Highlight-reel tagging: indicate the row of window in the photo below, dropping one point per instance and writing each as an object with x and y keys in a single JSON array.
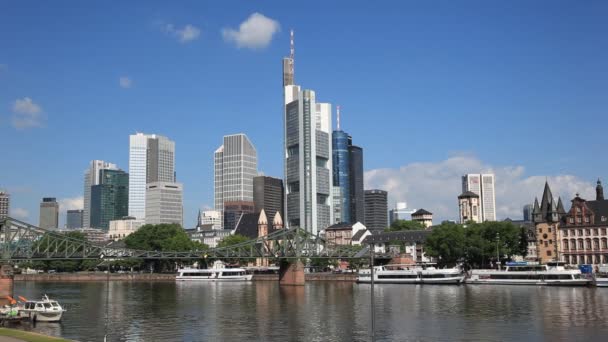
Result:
[
  {"x": 586, "y": 259},
  {"x": 585, "y": 244},
  {"x": 587, "y": 232}
]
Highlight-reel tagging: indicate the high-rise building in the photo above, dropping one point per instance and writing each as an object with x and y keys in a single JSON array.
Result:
[
  {"x": 74, "y": 219},
  {"x": 376, "y": 209},
  {"x": 483, "y": 186},
  {"x": 268, "y": 195},
  {"x": 209, "y": 219},
  {"x": 5, "y": 204},
  {"x": 234, "y": 210},
  {"x": 164, "y": 203},
  {"x": 341, "y": 173},
  {"x": 49, "y": 213},
  {"x": 91, "y": 178},
  {"x": 109, "y": 198},
  {"x": 528, "y": 208},
  {"x": 357, "y": 195},
  {"x": 235, "y": 166},
  {"x": 400, "y": 212},
  {"x": 151, "y": 159}
]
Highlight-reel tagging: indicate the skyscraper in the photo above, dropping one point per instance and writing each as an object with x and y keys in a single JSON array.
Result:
[
  {"x": 400, "y": 212},
  {"x": 483, "y": 186},
  {"x": 235, "y": 165},
  {"x": 5, "y": 204},
  {"x": 109, "y": 198},
  {"x": 528, "y": 208},
  {"x": 268, "y": 195},
  {"x": 164, "y": 203},
  {"x": 151, "y": 159},
  {"x": 376, "y": 209},
  {"x": 74, "y": 219},
  {"x": 91, "y": 178},
  {"x": 308, "y": 159},
  {"x": 357, "y": 195},
  {"x": 49, "y": 213},
  {"x": 341, "y": 173}
]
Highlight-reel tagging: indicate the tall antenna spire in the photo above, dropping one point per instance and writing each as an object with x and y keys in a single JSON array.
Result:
[
  {"x": 338, "y": 117},
  {"x": 292, "y": 50}
]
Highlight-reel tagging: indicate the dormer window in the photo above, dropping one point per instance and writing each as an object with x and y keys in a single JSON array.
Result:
[
  {"x": 571, "y": 220},
  {"x": 586, "y": 219},
  {"x": 579, "y": 220},
  {"x": 604, "y": 218},
  {"x": 578, "y": 210}
]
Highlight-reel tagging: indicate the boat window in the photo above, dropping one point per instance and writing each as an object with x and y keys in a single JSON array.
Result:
[
  {"x": 47, "y": 305},
  {"x": 39, "y": 306},
  {"x": 397, "y": 276},
  {"x": 54, "y": 304}
]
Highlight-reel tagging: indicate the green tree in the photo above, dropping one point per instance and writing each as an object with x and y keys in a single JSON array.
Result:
[
  {"x": 230, "y": 241},
  {"x": 399, "y": 225},
  {"x": 447, "y": 243}
]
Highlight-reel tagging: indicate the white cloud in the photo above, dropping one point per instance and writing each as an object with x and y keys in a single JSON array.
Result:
[
  {"x": 184, "y": 35},
  {"x": 255, "y": 32},
  {"x": 436, "y": 186},
  {"x": 125, "y": 82},
  {"x": 27, "y": 114},
  {"x": 20, "y": 213},
  {"x": 72, "y": 203}
]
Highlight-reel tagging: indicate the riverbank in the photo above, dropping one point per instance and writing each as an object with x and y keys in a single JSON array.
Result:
[
  {"x": 160, "y": 277},
  {"x": 14, "y": 335}
]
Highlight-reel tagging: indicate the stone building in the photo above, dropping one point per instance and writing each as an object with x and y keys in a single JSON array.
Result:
[
  {"x": 423, "y": 216},
  {"x": 469, "y": 207},
  {"x": 346, "y": 234},
  {"x": 547, "y": 218}
]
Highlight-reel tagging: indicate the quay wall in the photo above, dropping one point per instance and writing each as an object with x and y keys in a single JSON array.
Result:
[{"x": 159, "y": 277}]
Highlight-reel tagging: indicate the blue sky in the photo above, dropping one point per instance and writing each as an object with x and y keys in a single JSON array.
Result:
[{"x": 518, "y": 88}]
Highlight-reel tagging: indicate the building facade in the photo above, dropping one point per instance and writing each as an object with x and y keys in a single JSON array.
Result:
[
  {"x": 547, "y": 218},
  {"x": 234, "y": 210},
  {"x": 424, "y": 217},
  {"x": 376, "y": 209},
  {"x": 209, "y": 218},
  {"x": 91, "y": 178},
  {"x": 469, "y": 207},
  {"x": 268, "y": 195},
  {"x": 74, "y": 219},
  {"x": 164, "y": 203},
  {"x": 235, "y": 166},
  {"x": 527, "y": 211},
  {"x": 120, "y": 229},
  {"x": 49, "y": 213},
  {"x": 109, "y": 198},
  {"x": 483, "y": 186},
  {"x": 583, "y": 233},
  {"x": 5, "y": 204},
  {"x": 341, "y": 175},
  {"x": 151, "y": 159},
  {"x": 400, "y": 212},
  {"x": 357, "y": 193}
]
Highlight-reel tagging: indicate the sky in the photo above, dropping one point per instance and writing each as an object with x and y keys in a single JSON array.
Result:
[{"x": 431, "y": 90}]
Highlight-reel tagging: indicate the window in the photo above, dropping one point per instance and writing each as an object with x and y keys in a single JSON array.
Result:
[
  {"x": 586, "y": 219},
  {"x": 588, "y": 232},
  {"x": 571, "y": 220},
  {"x": 565, "y": 232},
  {"x": 596, "y": 244},
  {"x": 580, "y": 232},
  {"x": 604, "y": 218},
  {"x": 580, "y": 244},
  {"x": 595, "y": 231},
  {"x": 549, "y": 229},
  {"x": 588, "y": 244},
  {"x": 540, "y": 230},
  {"x": 566, "y": 245},
  {"x": 578, "y": 220},
  {"x": 573, "y": 244},
  {"x": 603, "y": 231},
  {"x": 548, "y": 253},
  {"x": 604, "y": 244},
  {"x": 578, "y": 210}
]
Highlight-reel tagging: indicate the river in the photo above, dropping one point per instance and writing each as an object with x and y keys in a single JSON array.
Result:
[{"x": 321, "y": 311}]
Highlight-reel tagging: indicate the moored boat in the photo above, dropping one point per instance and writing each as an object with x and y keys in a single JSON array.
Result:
[
  {"x": 522, "y": 273},
  {"x": 412, "y": 274},
  {"x": 44, "y": 310},
  {"x": 219, "y": 272},
  {"x": 601, "y": 277}
]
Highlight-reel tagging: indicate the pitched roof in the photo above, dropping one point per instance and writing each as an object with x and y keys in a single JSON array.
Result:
[
  {"x": 599, "y": 208},
  {"x": 468, "y": 194},
  {"x": 402, "y": 235},
  {"x": 340, "y": 226},
  {"x": 248, "y": 225},
  {"x": 422, "y": 212},
  {"x": 358, "y": 235}
]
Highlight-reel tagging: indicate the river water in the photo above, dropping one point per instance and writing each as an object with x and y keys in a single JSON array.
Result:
[{"x": 321, "y": 311}]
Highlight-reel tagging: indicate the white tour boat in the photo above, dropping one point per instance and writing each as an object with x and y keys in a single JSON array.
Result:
[
  {"x": 601, "y": 277},
  {"x": 412, "y": 274},
  {"x": 219, "y": 272},
  {"x": 521, "y": 273},
  {"x": 44, "y": 310}
]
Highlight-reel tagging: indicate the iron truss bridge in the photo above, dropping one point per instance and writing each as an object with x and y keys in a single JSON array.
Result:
[{"x": 21, "y": 241}]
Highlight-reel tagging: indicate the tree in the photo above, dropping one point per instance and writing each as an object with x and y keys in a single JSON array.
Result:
[
  {"x": 399, "y": 225},
  {"x": 447, "y": 243},
  {"x": 232, "y": 240},
  {"x": 163, "y": 238}
]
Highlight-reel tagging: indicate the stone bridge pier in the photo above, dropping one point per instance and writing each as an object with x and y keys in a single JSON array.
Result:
[
  {"x": 291, "y": 273},
  {"x": 6, "y": 283}
]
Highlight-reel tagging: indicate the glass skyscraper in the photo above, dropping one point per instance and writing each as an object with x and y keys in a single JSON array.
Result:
[
  {"x": 110, "y": 198},
  {"x": 91, "y": 178},
  {"x": 341, "y": 174}
]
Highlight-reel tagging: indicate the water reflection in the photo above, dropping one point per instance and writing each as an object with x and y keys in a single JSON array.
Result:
[{"x": 320, "y": 312}]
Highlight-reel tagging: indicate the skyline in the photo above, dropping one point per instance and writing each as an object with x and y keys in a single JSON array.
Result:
[{"x": 507, "y": 65}]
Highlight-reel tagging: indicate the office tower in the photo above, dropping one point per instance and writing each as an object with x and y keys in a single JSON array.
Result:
[
  {"x": 528, "y": 208},
  {"x": 400, "y": 212},
  {"x": 268, "y": 195},
  {"x": 209, "y": 219},
  {"x": 235, "y": 166},
  {"x": 151, "y": 159},
  {"x": 483, "y": 186},
  {"x": 74, "y": 219},
  {"x": 234, "y": 210},
  {"x": 109, "y": 198},
  {"x": 91, "y": 178},
  {"x": 341, "y": 173},
  {"x": 164, "y": 203},
  {"x": 357, "y": 195},
  {"x": 49, "y": 213},
  {"x": 5, "y": 204},
  {"x": 376, "y": 209}
]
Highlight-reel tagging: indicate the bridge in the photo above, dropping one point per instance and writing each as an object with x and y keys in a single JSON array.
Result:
[{"x": 20, "y": 241}]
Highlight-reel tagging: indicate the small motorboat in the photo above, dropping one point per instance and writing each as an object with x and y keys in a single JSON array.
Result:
[{"x": 44, "y": 310}]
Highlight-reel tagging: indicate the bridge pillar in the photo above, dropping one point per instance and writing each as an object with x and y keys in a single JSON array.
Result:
[
  {"x": 6, "y": 283},
  {"x": 291, "y": 273}
]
